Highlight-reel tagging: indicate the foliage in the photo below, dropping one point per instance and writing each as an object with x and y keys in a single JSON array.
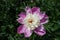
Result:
[{"x": 9, "y": 10}]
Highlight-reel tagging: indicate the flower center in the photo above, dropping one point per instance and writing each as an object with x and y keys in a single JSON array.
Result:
[{"x": 32, "y": 21}]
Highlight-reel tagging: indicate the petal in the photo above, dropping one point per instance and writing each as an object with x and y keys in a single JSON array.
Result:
[
  {"x": 28, "y": 10},
  {"x": 41, "y": 16},
  {"x": 22, "y": 14},
  {"x": 21, "y": 29},
  {"x": 45, "y": 16},
  {"x": 40, "y": 31},
  {"x": 36, "y": 9},
  {"x": 44, "y": 20},
  {"x": 28, "y": 33},
  {"x": 20, "y": 20}
]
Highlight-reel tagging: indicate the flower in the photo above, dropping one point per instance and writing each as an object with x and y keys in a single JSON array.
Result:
[{"x": 32, "y": 20}]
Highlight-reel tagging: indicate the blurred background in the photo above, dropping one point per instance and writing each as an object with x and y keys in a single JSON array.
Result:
[{"x": 9, "y": 10}]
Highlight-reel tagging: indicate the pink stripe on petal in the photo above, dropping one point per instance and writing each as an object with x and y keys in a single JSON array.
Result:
[
  {"x": 21, "y": 29},
  {"x": 40, "y": 31},
  {"x": 28, "y": 33}
]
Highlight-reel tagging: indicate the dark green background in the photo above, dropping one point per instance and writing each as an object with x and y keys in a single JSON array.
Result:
[{"x": 9, "y": 10}]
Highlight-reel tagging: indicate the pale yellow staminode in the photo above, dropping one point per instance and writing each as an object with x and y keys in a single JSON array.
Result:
[{"x": 31, "y": 21}]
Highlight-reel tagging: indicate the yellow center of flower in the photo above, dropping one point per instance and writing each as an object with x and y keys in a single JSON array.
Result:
[{"x": 32, "y": 21}]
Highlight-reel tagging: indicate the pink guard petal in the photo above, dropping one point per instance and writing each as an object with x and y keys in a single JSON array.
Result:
[
  {"x": 42, "y": 15},
  {"x": 21, "y": 29},
  {"x": 40, "y": 31},
  {"x": 44, "y": 20},
  {"x": 20, "y": 20},
  {"x": 22, "y": 15},
  {"x": 28, "y": 33},
  {"x": 28, "y": 10},
  {"x": 36, "y": 9}
]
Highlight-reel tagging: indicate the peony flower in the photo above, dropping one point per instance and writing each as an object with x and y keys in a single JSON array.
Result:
[{"x": 32, "y": 20}]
